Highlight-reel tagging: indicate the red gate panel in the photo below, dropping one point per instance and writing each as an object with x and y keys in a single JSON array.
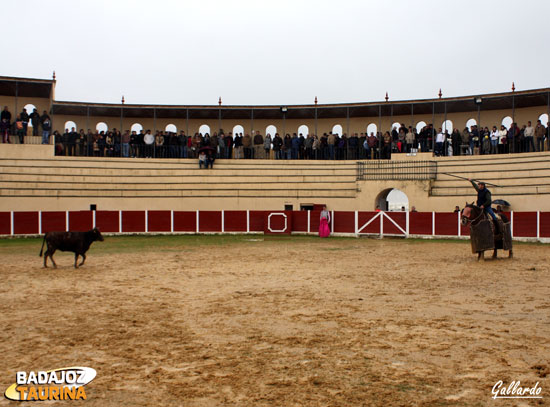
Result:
[
  {"x": 363, "y": 218},
  {"x": 25, "y": 223},
  {"x": 525, "y": 224},
  {"x": 185, "y": 221},
  {"x": 5, "y": 223},
  {"x": 544, "y": 224},
  {"x": 398, "y": 217},
  {"x": 158, "y": 221},
  {"x": 278, "y": 222},
  {"x": 210, "y": 221},
  {"x": 420, "y": 223},
  {"x": 53, "y": 221},
  {"x": 107, "y": 221},
  {"x": 299, "y": 221},
  {"x": 344, "y": 222},
  {"x": 81, "y": 221},
  {"x": 234, "y": 221},
  {"x": 446, "y": 224},
  {"x": 133, "y": 221},
  {"x": 257, "y": 220},
  {"x": 315, "y": 221}
]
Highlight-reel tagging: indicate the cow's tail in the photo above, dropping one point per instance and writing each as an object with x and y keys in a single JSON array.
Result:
[{"x": 42, "y": 248}]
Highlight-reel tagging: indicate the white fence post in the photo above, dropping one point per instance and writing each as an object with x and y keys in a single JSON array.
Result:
[
  {"x": 67, "y": 220},
  {"x": 308, "y": 222},
  {"x": 120, "y": 221},
  {"x": 433, "y": 223},
  {"x": 12, "y": 226},
  {"x": 197, "y": 222},
  {"x": 172, "y": 221},
  {"x": 512, "y": 224},
  {"x": 223, "y": 221},
  {"x": 458, "y": 218},
  {"x": 356, "y": 221},
  {"x": 39, "y": 222},
  {"x": 538, "y": 225},
  {"x": 146, "y": 221},
  {"x": 247, "y": 221},
  {"x": 332, "y": 222}
]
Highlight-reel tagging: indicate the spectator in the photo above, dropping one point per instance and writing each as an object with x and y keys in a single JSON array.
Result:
[
  {"x": 439, "y": 142},
  {"x": 229, "y": 143},
  {"x": 267, "y": 146},
  {"x": 202, "y": 160},
  {"x": 19, "y": 129},
  {"x": 25, "y": 119},
  {"x": 258, "y": 145},
  {"x": 316, "y": 147},
  {"x": 331, "y": 141},
  {"x": 277, "y": 146},
  {"x": 149, "y": 141},
  {"x": 528, "y": 134},
  {"x": 409, "y": 139},
  {"x": 247, "y": 146},
  {"x": 287, "y": 146},
  {"x": 502, "y": 139},
  {"x": 294, "y": 146},
  {"x": 46, "y": 129},
  {"x": 126, "y": 143},
  {"x": 494, "y": 140},
  {"x": 35, "y": 122},
  {"x": 221, "y": 145},
  {"x": 540, "y": 131},
  {"x": 6, "y": 115}
]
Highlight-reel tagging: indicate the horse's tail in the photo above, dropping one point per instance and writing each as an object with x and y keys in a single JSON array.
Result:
[{"x": 42, "y": 248}]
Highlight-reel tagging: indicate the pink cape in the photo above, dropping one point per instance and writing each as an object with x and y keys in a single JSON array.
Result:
[{"x": 324, "y": 230}]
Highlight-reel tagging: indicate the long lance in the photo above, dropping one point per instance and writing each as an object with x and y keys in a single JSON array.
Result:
[{"x": 466, "y": 179}]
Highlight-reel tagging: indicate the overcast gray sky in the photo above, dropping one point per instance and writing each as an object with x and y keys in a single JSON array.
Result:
[{"x": 276, "y": 52}]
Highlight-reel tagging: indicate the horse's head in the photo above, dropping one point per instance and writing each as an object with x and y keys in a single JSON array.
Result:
[{"x": 469, "y": 213}]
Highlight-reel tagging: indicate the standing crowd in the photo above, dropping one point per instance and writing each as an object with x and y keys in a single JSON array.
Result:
[{"x": 329, "y": 146}]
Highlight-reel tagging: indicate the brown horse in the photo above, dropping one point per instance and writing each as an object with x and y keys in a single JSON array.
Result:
[{"x": 485, "y": 234}]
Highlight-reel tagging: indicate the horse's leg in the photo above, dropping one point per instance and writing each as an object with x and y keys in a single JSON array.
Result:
[
  {"x": 495, "y": 253},
  {"x": 481, "y": 256},
  {"x": 510, "y": 254},
  {"x": 76, "y": 260},
  {"x": 83, "y": 259}
]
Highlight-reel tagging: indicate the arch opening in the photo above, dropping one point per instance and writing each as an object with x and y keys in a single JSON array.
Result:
[
  {"x": 137, "y": 127},
  {"x": 470, "y": 123},
  {"x": 171, "y": 128},
  {"x": 337, "y": 129},
  {"x": 372, "y": 128},
  {"x": 271, "y": 130},
  {"x": 420, "y": 125},
  {"x": 238, "y": 129},
  {"x": 204, "y": 129},
  {"x": 447, "y": 126},
  {"x": 392, "y": 199},
  {"x": 102, "y": 126},
  {"x": 544, "y": 119},
  {"x": 69, "y": 125},
  {"x": 304, "y": 130},
  {"x": 29, "y": 108},
  {"x": 507, "y": 122}
]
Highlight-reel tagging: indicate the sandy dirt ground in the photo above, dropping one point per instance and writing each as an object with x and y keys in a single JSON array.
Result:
[{"x": 287, "y": 322}]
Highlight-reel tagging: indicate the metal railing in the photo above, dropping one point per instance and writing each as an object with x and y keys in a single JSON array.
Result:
[{"x": 396, "y": 170}]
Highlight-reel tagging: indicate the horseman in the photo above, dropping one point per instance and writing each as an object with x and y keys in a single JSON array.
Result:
[{"x": 484, "y": 199}]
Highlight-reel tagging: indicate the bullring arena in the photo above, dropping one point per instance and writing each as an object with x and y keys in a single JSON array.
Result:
[{"x": 212, "y": 287}]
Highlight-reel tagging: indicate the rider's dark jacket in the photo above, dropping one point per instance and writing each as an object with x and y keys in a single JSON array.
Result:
[{"x": 483, "y": 196}]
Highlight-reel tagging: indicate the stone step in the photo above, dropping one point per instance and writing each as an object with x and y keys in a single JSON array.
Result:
[
  {"x": 157, "y": 186},
  {"x": 496, "y": 192},
  {"x": 122, "y": 193}
]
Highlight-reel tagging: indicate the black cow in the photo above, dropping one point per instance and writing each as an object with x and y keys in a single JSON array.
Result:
[{"x": 76, "y": 242}]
